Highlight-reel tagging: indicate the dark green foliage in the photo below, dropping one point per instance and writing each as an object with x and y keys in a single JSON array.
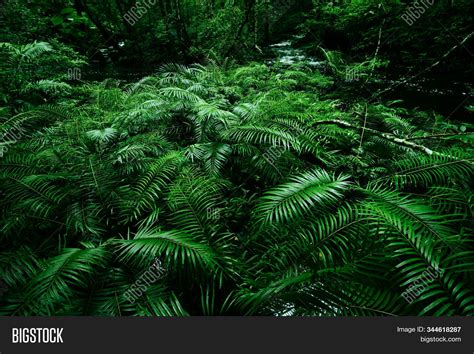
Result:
[
  {"x": 258, "y": 188},
  {"x": 261, "y": 206}
]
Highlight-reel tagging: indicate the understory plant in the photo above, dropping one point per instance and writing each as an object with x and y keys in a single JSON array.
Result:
[{"x": 259, "y": 193}]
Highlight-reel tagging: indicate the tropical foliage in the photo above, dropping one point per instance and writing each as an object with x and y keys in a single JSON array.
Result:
[{"x": 262, "y": 189}]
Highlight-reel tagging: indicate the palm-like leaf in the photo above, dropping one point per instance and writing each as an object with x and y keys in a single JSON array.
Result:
[
  {"x": 176, "y": 247},
  {"x": 304, "y": 192}
]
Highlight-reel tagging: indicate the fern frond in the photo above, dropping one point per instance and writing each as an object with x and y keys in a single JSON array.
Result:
[{"x": 296, "y": 198}]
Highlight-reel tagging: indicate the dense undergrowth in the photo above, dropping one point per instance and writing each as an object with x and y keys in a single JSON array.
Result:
[{"x": 258, "y": 190}]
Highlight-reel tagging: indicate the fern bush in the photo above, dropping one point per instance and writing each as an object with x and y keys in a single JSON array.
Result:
[{"x": 258, "y": 191}]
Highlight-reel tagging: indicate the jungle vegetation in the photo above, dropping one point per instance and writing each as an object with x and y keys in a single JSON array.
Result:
[{"x": 263, "y": 187}]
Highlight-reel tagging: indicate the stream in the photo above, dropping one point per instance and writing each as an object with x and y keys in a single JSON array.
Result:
[
  {"x": 286, "y": 54},
  {"x": 446, "y": 97}
]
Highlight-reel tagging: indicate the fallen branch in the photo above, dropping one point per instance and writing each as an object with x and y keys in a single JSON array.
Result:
[
  {"x": 437, "y": 136},
  {"x": 387, "y": 136}
]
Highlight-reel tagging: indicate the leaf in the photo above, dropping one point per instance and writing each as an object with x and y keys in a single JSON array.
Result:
[
  {"x": 57, "y": 20},
  {"x": 298, "y": 197}
]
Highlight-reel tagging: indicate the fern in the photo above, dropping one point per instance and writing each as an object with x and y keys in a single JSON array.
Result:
[
  {"x": 296, "y": 198},
  {"x": 261, "y": 190}
]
